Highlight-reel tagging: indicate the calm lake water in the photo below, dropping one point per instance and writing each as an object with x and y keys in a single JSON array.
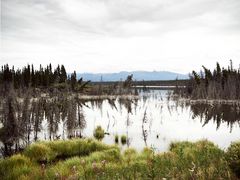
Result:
[{"x": 165, "y": 121}]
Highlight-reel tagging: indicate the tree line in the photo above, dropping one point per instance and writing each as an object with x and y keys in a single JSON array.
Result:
[
  {"x": 48, "y": 78},
  {"x": 28, "y": 76},
  {"x": 221, "y": 83}
]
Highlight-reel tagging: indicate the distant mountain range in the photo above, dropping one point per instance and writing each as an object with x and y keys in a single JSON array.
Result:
[{"x": 137, "y": 75}]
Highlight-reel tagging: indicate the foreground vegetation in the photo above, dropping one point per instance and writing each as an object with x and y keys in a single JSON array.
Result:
[{"x": 90, "y": 159}]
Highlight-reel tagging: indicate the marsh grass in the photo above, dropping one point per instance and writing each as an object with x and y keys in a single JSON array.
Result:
[
  {"x": 123, "y": 139},
  {"x": 18, "y": 166},
  {"x": 116, "y": 138},
  {"x": 89, "y": 159},
  {"x": 40, "y": 152},
  {"x": 233, "y": 157},
  {"x": 98, "y": 133},
  {"x": 47, "y": 151}
]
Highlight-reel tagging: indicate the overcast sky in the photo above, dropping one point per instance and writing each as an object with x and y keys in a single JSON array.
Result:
[{"x": 116, "y": 35}]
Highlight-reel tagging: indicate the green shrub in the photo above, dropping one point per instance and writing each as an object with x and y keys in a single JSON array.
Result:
[
  {"x": 123, "y": 139},
  {"x": 233, "y": 157},
  {"x": 98, "y": 133}
]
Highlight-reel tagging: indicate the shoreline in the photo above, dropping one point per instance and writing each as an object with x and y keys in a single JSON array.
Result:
[{"x": 209, "y": 101}]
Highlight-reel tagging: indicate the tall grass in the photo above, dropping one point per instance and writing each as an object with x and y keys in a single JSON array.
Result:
[
  {"x": 40, "y": 152},
  {"x": 98, "y": 133},
  {"x": 123, "y": 139},
  {"x": 89, "y": 159},
  {"x": 233, "y": 157},
  {"x": 116, "y": 138},
  {"x": 17, "y": 167},
  {"x": 60, "y": 149}
]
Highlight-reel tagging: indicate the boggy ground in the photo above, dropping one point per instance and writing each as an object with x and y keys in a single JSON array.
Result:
[{"x": 91, "y": 159}]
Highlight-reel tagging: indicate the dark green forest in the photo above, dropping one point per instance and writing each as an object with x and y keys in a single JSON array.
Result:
[
  {"x": 220, "y": 83},
  {"x": 28, "y": 76},
  {"x": 49, "y": 79}
]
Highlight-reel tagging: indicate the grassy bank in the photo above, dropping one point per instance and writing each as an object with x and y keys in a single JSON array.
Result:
[{"x": 90, "y": 159}]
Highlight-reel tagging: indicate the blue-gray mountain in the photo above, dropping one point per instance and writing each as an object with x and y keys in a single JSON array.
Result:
[{"x": 137, "y": 75}]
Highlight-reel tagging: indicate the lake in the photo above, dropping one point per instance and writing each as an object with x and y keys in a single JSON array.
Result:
[{"x": 155, "y": 120}]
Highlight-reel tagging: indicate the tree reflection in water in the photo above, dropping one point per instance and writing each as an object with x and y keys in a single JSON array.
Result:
[
  {"x": 218, "y": 113},
  {"x": 25, "y": 120}
]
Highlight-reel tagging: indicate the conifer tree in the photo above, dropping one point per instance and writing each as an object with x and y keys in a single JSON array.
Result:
[{"x": 63, "y": 75}]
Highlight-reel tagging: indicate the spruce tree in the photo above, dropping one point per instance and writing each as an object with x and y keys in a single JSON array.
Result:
[{"x": 63, "y": 75}]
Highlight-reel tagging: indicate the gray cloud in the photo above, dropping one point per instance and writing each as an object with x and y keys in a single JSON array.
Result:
[
  {"x": 39, "y": 26},
  {"x": 104, "y": 16}
]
